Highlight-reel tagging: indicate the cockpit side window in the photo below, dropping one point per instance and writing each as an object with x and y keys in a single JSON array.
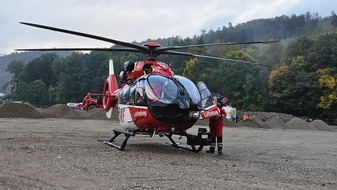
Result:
[
  {"x": 140, "y": 98},
  {"x": 124, "y": 95},
  {"x": 132, "y": 94},
  {"x": 190, "y": 87},
  {"x": 206, "y": 97}
]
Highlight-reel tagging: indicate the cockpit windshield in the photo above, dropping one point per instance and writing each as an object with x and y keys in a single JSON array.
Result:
[
  {"x": 161, "y": 91},
  {"x": 166, "y": 90},
  {"x": 160, "y": 88},
  {"x": 192, "y": 90}
]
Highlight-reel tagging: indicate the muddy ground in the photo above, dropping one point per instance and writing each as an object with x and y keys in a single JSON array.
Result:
[{"x": 61, "y": 153}]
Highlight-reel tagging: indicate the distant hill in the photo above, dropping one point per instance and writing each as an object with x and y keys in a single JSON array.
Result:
[
  {"x": 25, "y": 57},
  {"x": 280, "y": 28}
]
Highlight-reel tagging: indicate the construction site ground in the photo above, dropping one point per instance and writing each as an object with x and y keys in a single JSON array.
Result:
[{"x": 59, "y": 148}]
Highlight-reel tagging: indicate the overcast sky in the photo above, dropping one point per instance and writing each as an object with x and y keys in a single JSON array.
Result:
[{"x": 134, "y": 20}]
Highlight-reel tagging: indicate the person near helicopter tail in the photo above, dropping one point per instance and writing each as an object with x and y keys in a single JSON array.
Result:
[{"x": 216, "y": 123}]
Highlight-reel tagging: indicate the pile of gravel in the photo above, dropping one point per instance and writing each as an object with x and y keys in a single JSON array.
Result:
[
  {"x": 321, "y": 125},
  {"x": 254, "y": 122},
  {"x": 275, "y": 120},
  {"x": 294, "y": 123},
  {"x": 276, "y": 123},
  {"x": 19, "y": 110},
  {"x": 99, "y": 114},
  {"x": 268, "y": 120},
  {"x": 297, "y": 123},
  {"x": 264, "y": 116},
  {"x": 62, "y": 111}
]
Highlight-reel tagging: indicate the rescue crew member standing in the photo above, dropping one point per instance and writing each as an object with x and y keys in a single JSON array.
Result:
[{"x": 216, "y": 126}]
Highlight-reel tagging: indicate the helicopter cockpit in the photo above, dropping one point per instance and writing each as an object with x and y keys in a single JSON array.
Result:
[
  {"x": 157, "y": 90},
  {"x": 160, "y": 89},
  {"x": 176, "y": 95}
]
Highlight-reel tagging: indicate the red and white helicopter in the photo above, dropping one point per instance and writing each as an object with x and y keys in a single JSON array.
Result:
[{"x": 151, "y": 99}]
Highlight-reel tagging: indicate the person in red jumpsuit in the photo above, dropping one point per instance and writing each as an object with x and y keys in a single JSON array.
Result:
[{"x": 216, "y": 126}]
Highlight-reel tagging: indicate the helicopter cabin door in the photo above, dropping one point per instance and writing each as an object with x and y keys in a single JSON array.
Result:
[
  {"x": 125, "y": 100},
  {"x": 206, "y": 96}
]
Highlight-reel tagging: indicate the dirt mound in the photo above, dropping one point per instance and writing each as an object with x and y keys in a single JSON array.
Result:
[
  {"x": 19, "y": 110},
  {"x": 276, "y": 123},
  {"x": 264, "y": 116},
  {"x": 253, "y": 122},
  {"x": 321, "y": 125},
  {"x": 62, "y": 111},
  {"x": 297, "y": 123},
  {"x": 95, "y": 113}
]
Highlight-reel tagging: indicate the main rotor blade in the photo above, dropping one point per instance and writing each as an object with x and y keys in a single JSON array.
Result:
[
  {"x": 84, "y": 49},
  {"x": 126, "y": 44},
  {"x": 211, "y": 57},
  {"x": 161, "y": 49}
]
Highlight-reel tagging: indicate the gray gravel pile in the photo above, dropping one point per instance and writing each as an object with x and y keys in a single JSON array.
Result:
[
  {"x": 276, "y": 122},
  {"x": 264, "y": 116},
  {"x": 254, "y": 122},
  {"x": 268, "y": 120},
  {"x": 321, "y": 125},
  {"x": 297, "y": 123}
]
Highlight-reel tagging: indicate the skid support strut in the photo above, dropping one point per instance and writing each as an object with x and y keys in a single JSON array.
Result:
[
  {"x": 196, "y": 142},
  {"x": 121, "y": 146}
]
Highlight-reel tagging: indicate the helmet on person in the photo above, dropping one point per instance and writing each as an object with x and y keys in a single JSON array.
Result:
[
  {"x": 129, "y": 66},
  {"x": 221, "y": 101}
]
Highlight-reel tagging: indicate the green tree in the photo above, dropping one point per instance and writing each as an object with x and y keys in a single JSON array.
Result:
[
  {"x": 35, "y": 93},
  {"x": 293, "y": 90},
  {"x": 252, "y": 92},
  {"x": 301, "y": 46},
  {"x": 229, "y": 79},
  {"x": 39, "y": 95},
  {"x": 323, "y": 53},
  {"x": 15, "y": 67},
  {"x": 334, "y": 20},
  {"x": 40, "y": 68}
]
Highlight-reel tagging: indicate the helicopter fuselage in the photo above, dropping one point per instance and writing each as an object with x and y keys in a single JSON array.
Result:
[{"x": 157, "y": 103}]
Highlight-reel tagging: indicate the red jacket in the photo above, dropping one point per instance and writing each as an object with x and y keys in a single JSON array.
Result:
[
  {"x": 213, "y": 112},
  {"x": 216, "y": 117}
]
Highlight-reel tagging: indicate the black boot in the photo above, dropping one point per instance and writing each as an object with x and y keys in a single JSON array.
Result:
[
  {"x": 220, "y": 151},
  {"x": 220, "y": 146},
  {"x": 211, "y": 150}
]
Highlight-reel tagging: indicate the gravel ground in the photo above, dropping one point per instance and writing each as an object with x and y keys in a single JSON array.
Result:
[{"x": 55, "y": 153}]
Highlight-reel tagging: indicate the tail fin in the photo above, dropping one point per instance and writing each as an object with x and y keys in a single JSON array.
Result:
[{"x": 110, "y": 90}]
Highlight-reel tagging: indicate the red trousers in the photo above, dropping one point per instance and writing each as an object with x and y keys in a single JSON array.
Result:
[{"x": 216, "y": 127}]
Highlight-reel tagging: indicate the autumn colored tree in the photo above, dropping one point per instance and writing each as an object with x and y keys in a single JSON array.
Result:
[{"x": 328, "y": 83}]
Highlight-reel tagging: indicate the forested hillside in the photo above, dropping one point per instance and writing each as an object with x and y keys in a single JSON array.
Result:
[
  {"x": 25, "y": 57},
  {"x": 301, "y": 78}
]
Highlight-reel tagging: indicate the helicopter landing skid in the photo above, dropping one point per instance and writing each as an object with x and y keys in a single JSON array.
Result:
[
  {"x": 121, "y": 146},
  {"x": 197, "y": 143},
  {"x": 177, "y": 145}
]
